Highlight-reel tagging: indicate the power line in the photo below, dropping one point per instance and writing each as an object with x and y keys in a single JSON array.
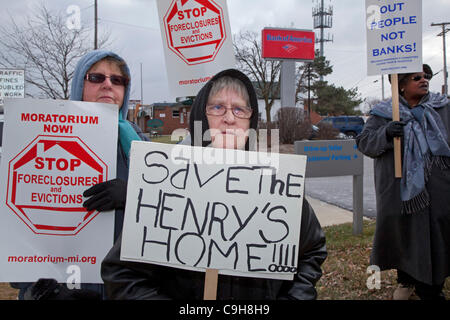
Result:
[{"x": 128, "y": 24}]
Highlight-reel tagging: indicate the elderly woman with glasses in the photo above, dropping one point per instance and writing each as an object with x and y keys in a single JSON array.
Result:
[
  {"x": 221, "y": 115},
  {"x": 100, "y": 76},
  {"x": 413, "y": 212}
]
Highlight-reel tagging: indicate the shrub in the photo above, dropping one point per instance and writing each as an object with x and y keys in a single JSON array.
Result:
[{"x": 292, "y": 125}]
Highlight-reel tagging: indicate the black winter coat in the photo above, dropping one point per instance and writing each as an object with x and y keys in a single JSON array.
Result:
[
  {"x": 131, "y": 280},
  {"x": 417, "y": 243}
]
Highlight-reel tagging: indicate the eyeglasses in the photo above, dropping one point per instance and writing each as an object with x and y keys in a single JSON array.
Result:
[
  {"x": 219, "y": 110},
  {"x": 100, "y": 78},
  {"x": 426, "y": 76}
]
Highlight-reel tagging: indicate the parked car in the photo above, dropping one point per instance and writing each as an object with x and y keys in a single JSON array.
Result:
[
  {"x": 351, "y": 126},
  {"x": 315, "y": 133}
]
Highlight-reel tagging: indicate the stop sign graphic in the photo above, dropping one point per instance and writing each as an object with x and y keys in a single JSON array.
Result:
[
  {"x": 46, "y": 181},
  {"x": 195, "y": 30}
]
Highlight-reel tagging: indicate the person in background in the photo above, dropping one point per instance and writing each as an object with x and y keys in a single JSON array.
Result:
[
  {"x": 100, "y": 76},
  {"x": 227, "y": 107},
  {"x": 413, "y": 212}
]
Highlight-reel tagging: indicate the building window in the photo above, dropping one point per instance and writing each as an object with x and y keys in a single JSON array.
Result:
[{"x": 175, "y": 113}]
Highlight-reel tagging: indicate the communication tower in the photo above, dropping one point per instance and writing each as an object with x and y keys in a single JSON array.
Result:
[{"x": 323, "y": 19}]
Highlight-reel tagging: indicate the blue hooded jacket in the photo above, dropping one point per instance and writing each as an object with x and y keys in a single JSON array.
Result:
[
  {"x": 127, "y": 130},
  {"x": 84, "y": 64}
]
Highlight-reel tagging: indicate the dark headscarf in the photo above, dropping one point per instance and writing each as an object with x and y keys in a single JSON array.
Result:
[{"x": 198, "y": 110}]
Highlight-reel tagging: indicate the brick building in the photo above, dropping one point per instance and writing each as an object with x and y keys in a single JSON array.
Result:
[{"x": 173, "y": 115}]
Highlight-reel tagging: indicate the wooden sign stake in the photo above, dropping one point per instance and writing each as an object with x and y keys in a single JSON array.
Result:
[
  {"x": 211, "y": 277},
  {"x": 396, "y": 117}
]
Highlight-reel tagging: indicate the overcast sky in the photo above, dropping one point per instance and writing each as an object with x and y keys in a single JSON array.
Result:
[{"x": 134, "y": 27}]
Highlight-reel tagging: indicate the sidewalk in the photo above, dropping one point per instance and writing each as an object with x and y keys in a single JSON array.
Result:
[{"x": 328, "y": 214}]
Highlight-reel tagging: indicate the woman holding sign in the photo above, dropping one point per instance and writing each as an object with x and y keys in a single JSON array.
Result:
[
  {"x": 103, "y": 76},
  {"x": 100, "y": 76},
  {"x": 413, "y": 213},
  {"x": 227, "y": 107}
]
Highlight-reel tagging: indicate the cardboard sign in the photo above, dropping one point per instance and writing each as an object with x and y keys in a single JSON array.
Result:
[
  {"x": 394, "y": 36},
  {"x": 197, "y": 42},
  {"x": 12, "y": 84},
  {"x": 189, "y": 211},
  {"x": 288, "y": 44},
  {"x": 53, "y": 150}
]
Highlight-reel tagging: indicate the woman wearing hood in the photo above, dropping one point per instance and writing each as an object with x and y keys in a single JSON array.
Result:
[
  {"x": 100, "y": 76},
  {"x": 103, "y": 76},
  {"x": 413, "y": 213},
  {"x": 221, "y": 115}
]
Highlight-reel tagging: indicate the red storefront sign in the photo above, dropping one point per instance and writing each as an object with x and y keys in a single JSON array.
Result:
[
  {"x": 46, "y": 181},
  {"x": 195, "y": 30},
  {"x": 288, "y": 44}
]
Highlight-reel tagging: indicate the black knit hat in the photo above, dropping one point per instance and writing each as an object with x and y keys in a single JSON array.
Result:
[
  {"x": 198, "y": 110},
  {"x": 403, "y": 76}
]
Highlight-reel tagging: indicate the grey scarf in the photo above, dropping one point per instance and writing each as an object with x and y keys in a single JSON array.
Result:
[{"x": 425, "y": 145}]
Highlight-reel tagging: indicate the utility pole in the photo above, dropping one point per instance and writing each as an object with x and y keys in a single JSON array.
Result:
[
  {"x": 142, "y": 91},
  {"x": 444, "y": 31},
  {"x": 95, "y": 23},
  {"x": 309, "y": 91}
]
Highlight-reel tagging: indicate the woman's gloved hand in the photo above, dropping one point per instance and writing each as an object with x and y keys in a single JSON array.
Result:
[
  {"x": 395, "y": 129},
  {"x": 50, "y": 289},
  {"x": 106, "y": 195}
]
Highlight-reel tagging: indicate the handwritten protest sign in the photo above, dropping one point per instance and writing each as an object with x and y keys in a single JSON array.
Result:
[
  {"x": 394, "y": 36},
  {"x": 241, "y": 217},
  {"x": 53, "y": 150}
]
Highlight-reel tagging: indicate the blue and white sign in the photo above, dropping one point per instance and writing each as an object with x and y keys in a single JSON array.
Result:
[
  {"x": 394, "y": 36},
  {"x": 330, "y": 158}
]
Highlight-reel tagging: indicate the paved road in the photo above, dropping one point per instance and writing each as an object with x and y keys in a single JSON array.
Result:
[{"x": 339, "y": 190}]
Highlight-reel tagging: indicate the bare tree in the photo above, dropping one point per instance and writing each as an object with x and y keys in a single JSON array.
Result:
[
  {"x": 264, "y": 73},
  {"x": 47, "y": 49}
]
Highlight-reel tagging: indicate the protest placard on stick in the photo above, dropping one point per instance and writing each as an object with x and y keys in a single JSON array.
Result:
[
  {"x": 394, "y": 45},
  {"x": 201, "y": 209},
  {"x": 197, "y": 42}
]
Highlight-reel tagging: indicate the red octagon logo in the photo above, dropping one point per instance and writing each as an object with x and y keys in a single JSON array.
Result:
[
  {"x": 195, "y": 30},
  {"x": 46, "y": 181}
]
